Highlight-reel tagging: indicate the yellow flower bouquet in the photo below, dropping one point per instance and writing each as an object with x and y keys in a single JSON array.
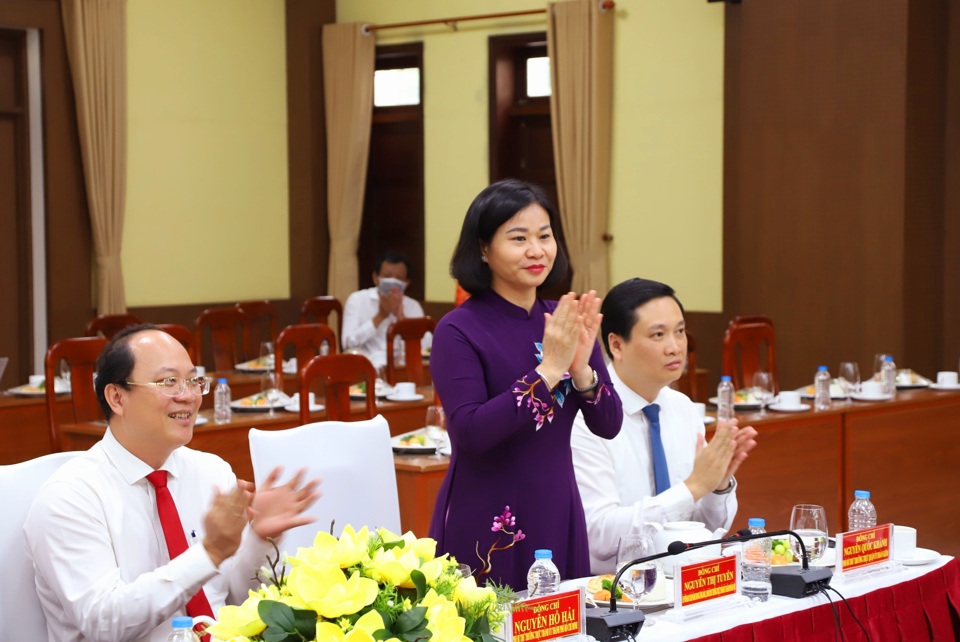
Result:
[{"x": 364, "y": 587}]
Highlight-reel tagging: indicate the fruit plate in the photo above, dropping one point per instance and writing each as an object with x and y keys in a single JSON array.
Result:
[
  {"x": 661, "y": 597},
  {"x": 414, "y": 442}
]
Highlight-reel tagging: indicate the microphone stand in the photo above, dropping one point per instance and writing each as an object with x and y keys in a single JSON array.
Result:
[{"x": 609, "y": 625}]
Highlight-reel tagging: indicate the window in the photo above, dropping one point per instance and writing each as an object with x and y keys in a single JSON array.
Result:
[
  {"x": 394, "y": 87},
  {"x": 538, "y": 77}
]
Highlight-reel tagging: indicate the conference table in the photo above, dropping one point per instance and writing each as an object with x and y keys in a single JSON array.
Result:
[{"x": 915, "y": 603}]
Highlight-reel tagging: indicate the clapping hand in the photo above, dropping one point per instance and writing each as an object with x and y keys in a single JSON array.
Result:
[
  {"x": 568, "y": 338},
  {"x": 276, "y": 509}
]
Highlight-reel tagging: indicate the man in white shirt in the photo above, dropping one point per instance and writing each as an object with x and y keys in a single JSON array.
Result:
[
  {"x": 652, "y": 473},
  {"x": 368, "y": 313},
  {"x": 95, "y": 535}
]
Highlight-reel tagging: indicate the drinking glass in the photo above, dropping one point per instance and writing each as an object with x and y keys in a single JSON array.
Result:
[
  {"x": 269, "y": 387},
  {"x": 266, "y": 354},
  {"x": 809, "y": 521},
  {"x": 762, "y": 388},
  {"x": 437, "y": 428},
  {"x": 850, "y": 379},
  {"x": 639, "y": 579}
]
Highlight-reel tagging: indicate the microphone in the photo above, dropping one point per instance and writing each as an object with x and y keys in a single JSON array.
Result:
[{"x": 790, "y": 581}]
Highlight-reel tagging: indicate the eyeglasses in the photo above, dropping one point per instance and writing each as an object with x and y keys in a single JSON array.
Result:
[{"x": 174, "y": 386}]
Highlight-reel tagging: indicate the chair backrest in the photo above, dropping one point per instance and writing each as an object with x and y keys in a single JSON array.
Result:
[
  {"x": 259, "y": 325},
  {"x": 225, "y": 326},
  {"x": 355, "y": 461},
  {"x": 339, "y": 372},
  {"x": 307, "y": 340},
  {"x": 182, "y": 334},
  {"x": 107, "y": 325},
  {"x": 319, "y": 308},
  {"x": 748, "y": 346},
  {"x": 19, "y": 605},
  {"x": 81, "y": 355},
  {"x": 411, "y": 330},
  {"x": 692, "y": 367}
]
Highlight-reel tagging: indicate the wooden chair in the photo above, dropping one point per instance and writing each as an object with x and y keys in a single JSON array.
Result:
[
  {"x": 411, "y": 330},
  {"x": 259, "y": 325},
  {"x": 19, "y": 484},
  {"x": 225, "y": 327},
  {"x": 307, "y": 340},
  {"x": 352, "y": 458},
  {"x": 320, "y": 308},
  {"x": 81, "y": 355},
  {"x": 339, "y": 372},
  {"x": 748, "y": 346},
  {"x": 182, "y": 334},
  {"x": 107, "y": 325}
]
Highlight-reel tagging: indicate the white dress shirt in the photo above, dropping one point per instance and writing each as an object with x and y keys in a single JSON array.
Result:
[
  {"x": 616, "y": 480},
  {"x": 103, "y": 571},
  {"x": 360, "y": 334}
]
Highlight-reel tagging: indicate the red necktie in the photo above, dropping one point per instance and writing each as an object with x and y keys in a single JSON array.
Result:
[{"x": 176, "y": 540}]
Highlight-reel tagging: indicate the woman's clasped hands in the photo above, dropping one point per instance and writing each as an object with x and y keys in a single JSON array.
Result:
[{"x": 569, "y": 336}]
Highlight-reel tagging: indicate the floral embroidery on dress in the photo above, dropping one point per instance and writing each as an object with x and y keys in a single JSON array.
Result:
[
  {"x": 542, "y": 408},
  {"x": 563, "y": 388},
  {"x": 601, "y": 391}
]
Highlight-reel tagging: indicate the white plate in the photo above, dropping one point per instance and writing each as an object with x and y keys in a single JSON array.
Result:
[
  {"x": 862, "y": 397},
  {"x": 829, "y": 557},
  {"x": 836, "y": 392},
  {"x": 258, "y": 365},
  {"x": 661, "y": 596},
  {"x": 737, "y": 406},
  {"x": 200, "y": 420},
  {"x": 938, "y": 386},
  {"x": 382, "y": 392},
  {"x": 709, "y": 420},
  {"x": 398, "y": 398},
  {"x": 427, "y": 449},
  {"x": 778, "y": 408},
  {"x": 60, "y": 386},
  {"x": 920, "y": 556},
  {"x": 242, "y": 407},
  {"x": 911, "y": 386},
  {"x": 294, "y": 406}
]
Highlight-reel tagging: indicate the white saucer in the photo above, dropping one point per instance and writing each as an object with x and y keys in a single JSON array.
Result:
[
  {"x": 920, "y": 556},
  {"x": 295, "y": 407},
  {"x": 778, "y": 408},
  {"x": 938, "y": 386},
  {"x": 862, "y": 397},
  {"x": 398, "y": 398},
  {"x": 709, "y": 420},
  {"x": 200, "y": 420}
]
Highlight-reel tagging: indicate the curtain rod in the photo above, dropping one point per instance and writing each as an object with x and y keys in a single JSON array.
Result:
[{"x": 605, "y": 5}]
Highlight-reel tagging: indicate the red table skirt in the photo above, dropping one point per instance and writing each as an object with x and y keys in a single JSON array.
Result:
[{"x": 926, "y": 608}]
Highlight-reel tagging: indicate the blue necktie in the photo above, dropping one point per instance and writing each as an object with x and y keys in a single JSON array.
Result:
[{"x": 661, "y": 473}]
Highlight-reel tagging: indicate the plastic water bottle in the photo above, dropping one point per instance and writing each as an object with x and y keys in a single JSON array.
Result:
[
  {"x": 221, "y": 402},
  {"x": 725, "y": 398},
  {"x": 543, "y": 577},
  {"x": 888, "y": 376},
  {"x": 862, "y": 514},
  {"x": 183, "y": 630},
  {"x": 755, "y": 564},
  {"x": 821, "y": 388}
]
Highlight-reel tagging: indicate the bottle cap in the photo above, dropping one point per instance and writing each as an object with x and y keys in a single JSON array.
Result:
[
  {"x": 889, "y": 357},
  {"x": 821, "y": 368},
  {"x": 725, "y": 378},
  {"x": 861, "y": 494},
  {"x": 183, "y": 622},
  {"x": 756, "y": 522},
  {"x": 543, "y": 554},
  {"x": 221, "y": 380}
]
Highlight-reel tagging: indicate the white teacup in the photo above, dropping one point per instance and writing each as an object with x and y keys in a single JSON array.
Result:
[
  {"x": 201, "y": 371},
  {"x": 36, "y": 381},
  {"x": 946, "y": 378},
  {"x": 701, "y": 409},
  {"x": 789, "y": 399},
  {"x": 871, "y": 389},
  {"x": 295, "y": 399},
  {"x": 904, "y": 542},
  {"x": 405, "y": 389}
]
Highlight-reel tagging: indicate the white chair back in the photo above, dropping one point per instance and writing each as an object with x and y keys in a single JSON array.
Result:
[
  {"x": 355, "y": 461},
  {"x": 19, "y": 603}
]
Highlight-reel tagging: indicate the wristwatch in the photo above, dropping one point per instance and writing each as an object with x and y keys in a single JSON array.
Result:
[
  {"x": 729, "y": 488},
  {"x": 593, "y": 384}
]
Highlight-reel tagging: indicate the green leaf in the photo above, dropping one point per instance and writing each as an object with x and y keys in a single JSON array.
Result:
[
  {"x": 286, "y": 624},
  {"x": 388, "y": 545},
  {"x": 411, "y": 620},
  {"x": 420, "y": 582}
]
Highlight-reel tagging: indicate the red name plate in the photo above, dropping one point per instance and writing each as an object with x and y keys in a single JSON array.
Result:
[
  {"x": 866, "y": 547},
  {"x": 708, "y": 580},
  {"x": 544, "y": 618}
]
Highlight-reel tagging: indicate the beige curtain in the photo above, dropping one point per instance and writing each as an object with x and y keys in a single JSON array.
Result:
[
  {"x": 580, "y": 44},
  {"x": 348, "y": 65},
  {"x": 96, "y": 35}
]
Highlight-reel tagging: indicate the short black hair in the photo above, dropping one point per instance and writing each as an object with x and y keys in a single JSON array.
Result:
[
  {"x": 620, "y": 305},
  {"x": 493, "y": 207},
  {"x": 392, "y": 257},
  {"x": 115, "y": 363}
]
